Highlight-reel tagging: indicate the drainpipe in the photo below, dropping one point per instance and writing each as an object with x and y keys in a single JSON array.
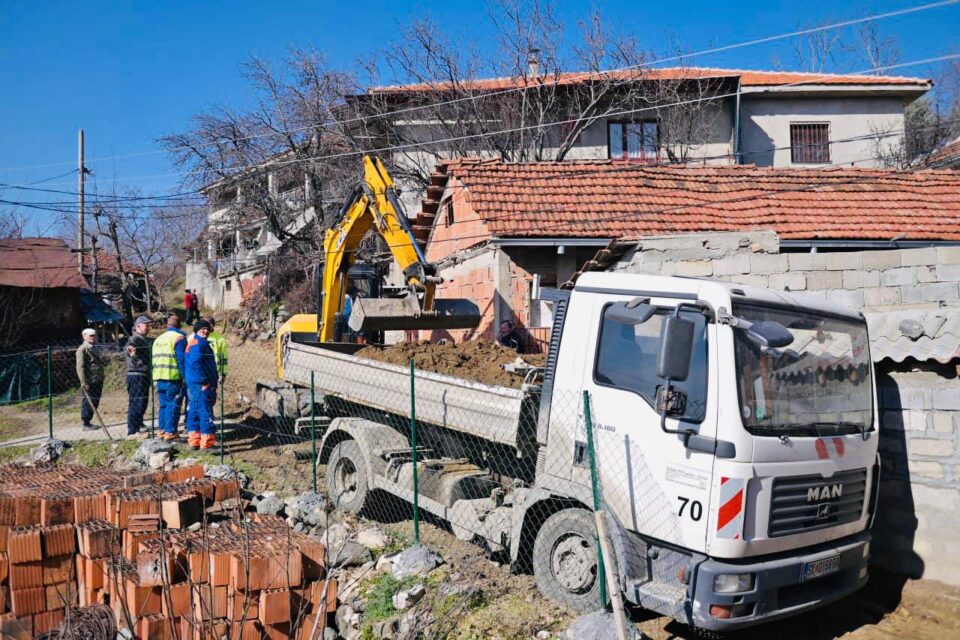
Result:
[{"x": 736, "y": 124}]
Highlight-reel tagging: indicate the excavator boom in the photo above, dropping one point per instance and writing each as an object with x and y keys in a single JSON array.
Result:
[{"x": 374, "y": 204}]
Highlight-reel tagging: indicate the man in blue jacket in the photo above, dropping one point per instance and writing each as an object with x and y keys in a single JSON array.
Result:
[{"x": 202, "y": 376}]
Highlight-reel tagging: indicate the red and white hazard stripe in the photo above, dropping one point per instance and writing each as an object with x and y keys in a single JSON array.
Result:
[
  {"x": 835, "y": 448},
  {"x": 730, "y": 515}
]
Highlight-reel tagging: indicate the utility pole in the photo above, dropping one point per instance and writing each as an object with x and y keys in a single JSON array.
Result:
[
  {"x": 96, "y": 264},
  {"x": 81, "y": 178}
]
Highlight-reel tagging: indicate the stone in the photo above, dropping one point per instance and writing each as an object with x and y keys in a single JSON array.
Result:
[
  {"x": 49, "y": 450},
  {"x": 769, "y": 263},
  {"x": 348, "y": 554},
  {"x": 544, "y": 635},
  {"x": 329, "y": 633},
  {"x": 309, "y": 507},
  {"x": 598, "y": 625},
  {"x": 386, "y": 629},
  {"x": 225, "y": 472},
  {"x": 900, "y": 277},
  {"x": 334, "y": 535},
  {"x": 373, "y": 538},
  {"x": 159, "y": 460},
  {"x": 384, "y": 563},
  {"x": 344, "y": 617},
  {"x": 788, "y": 281},
  {"x": 150, "y": 447},
  {"x": 408, "y": 597},
  {"x": 930, "y": 447},
  {"x": 695, "y": 268},
  {"x": 269, "y": 504},
  {"x": 880, "y": 259},
  {"x": 417, "y": 560},
  {"x": 196, "y": 526}
]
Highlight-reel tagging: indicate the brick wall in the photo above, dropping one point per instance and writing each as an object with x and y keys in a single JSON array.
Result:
[{"x": 919, "y": 401}]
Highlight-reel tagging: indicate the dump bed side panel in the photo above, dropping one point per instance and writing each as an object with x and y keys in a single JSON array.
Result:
[{"x": 482, "y": 410}]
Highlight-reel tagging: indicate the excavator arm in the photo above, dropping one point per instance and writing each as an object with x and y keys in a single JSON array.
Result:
[{"x": 374, "y": 204}]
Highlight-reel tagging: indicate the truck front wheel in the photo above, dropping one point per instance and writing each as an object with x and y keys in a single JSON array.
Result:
[
  {"x": 565, "y": 560},
  {"x": 347, "y": 483}
]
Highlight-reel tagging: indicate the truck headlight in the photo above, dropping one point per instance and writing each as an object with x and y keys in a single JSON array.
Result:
[
  {"x": 732, "y": 582},
  {"x": 866, "y": 550}
]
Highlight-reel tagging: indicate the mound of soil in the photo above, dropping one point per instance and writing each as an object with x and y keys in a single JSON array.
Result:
[{"x": 478, "y": 360}]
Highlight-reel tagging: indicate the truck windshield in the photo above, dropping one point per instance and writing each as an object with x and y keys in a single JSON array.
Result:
[{"x": 818, "y": 385}]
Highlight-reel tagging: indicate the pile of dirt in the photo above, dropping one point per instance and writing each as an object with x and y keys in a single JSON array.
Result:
[{"x": 479, "y": 360}]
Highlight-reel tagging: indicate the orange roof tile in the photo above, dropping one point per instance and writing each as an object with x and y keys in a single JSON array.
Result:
[
  {"x": 608, "y": 198},
  {"x": 748, "y": 79}
]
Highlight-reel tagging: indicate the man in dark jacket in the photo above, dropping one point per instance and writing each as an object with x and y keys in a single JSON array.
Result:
[
  {"x": 510, "y": 337},
  {"x": 90, "y": 366},
  {"x": 138, "y": 375},
  {"x": 202, "y": 376}
]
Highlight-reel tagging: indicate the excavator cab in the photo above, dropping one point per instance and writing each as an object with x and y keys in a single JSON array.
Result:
[{"x": 374, "y": 205}]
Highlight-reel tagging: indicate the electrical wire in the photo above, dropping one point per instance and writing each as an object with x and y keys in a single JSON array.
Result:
[
  {"x": 274, "y": 164},
  {"x": 714, "y": 50}
]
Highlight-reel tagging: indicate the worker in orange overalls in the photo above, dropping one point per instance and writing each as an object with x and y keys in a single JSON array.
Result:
[{"x": 202, "y": 377}]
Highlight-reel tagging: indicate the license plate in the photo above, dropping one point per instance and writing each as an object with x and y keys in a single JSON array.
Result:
[{"x": 818, "y": 568}]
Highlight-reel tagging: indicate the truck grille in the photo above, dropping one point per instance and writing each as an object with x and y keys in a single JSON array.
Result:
[{"x": 807, "y": 503}]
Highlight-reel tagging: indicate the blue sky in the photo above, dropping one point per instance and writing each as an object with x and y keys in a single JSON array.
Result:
[{"x": 129, "y": 72}]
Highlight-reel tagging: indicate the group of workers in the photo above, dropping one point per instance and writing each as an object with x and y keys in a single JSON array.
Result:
[{"x": 183, "y": 368}]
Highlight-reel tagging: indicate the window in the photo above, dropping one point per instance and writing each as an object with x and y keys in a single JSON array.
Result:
[
  {"x": 228, "y": 285},
  {"x": 627, "y": 359},
  {"x": 809, "y": 142},
  {"x": 635, "y": 141}
]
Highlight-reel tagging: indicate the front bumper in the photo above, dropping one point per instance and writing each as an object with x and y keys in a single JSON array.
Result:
[{"x": 778, "y": 590}]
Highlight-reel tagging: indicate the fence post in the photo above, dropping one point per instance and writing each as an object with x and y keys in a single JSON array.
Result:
[
  {"x": 595, "y": 482},
  {"x": 222, "y": 386},
  {"x": 153, "y": 397},
  {"x": 313, "y": 431},
  {"x": 413, "y": 438},
  {"x": 50, "y": 390}
]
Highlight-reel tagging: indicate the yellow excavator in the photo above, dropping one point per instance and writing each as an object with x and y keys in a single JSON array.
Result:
[{"x": 373, "y": 205}]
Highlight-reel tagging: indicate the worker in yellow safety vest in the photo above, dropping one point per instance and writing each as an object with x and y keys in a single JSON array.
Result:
[{"x": 168, "y": 371}]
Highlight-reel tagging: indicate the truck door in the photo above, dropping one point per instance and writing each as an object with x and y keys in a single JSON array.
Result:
[{"x": 655, "y": 485}]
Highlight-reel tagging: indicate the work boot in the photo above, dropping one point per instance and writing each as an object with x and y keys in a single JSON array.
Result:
[
  {"x": 89, "y": 427},
  {"x": 215, "y": 449}
]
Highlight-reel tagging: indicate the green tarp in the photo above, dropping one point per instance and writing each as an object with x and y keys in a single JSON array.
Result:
[{"x": 22, "y": 377}]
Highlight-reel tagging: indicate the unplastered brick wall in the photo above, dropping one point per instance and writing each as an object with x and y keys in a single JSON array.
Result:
[{"x": 919, "y": 402}]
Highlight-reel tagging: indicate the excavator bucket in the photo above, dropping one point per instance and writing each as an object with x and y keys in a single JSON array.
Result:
[{"x": 385, "y": 314}]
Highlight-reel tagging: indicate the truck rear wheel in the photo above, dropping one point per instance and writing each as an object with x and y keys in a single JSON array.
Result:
[
  {"x": 347, "y": 482},
  {"x": 565, "y": 560}
]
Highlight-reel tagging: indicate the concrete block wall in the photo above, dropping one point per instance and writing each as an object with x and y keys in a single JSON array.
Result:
[{"x": 919, "y": 402}]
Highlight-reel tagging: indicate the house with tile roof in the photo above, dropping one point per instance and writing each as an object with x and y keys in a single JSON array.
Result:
[
  {"x": 705, "y": 115},
  {"x": 501, "y": 230}
]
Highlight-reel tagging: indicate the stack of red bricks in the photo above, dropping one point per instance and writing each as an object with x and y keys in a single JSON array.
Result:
[{"x": 71, "y": 536}]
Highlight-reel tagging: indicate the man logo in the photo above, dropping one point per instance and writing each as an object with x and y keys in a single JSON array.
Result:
[
  {"x": 823, "y": 511},
  {"x": 826, "y": 492}
]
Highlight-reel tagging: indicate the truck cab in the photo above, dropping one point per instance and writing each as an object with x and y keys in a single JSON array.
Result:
[{"x": 742, "y": 489}]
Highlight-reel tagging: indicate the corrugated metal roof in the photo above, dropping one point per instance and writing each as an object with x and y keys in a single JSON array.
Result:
[
  {"x": 43, "y": 263},
  {"x": 922, "y": 335},
  {"x": 94, "y": 309}
]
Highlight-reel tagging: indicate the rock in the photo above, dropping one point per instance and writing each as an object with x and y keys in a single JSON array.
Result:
[
  {"x": 309, "y": 507},
  {"x": 348, "y": 554},
  {"x": 159, "y": 460},
  {"x": 912, "y": 329},
  {"x": 299, "y": 528},
  {"x": 417, "y": 560},
  {"x": 269, "y": 504},
  {"x": 49, "y": 450},
  {"x": 373, "y": 538},
  {"x": 329, "y": 634},
  {"x": 334, "y": 536},
  {"x": 384, "y": 563},
  {"x": 598, "y": 625},
  {"x": 386, "y": 629},
  {"x": 225, "y": 472},
  {"x": 150, "y": 447},
  {"x": 408, "y": 597},
  {"x": 544, "y": 635},
  {"x": 196, "y": 526},
  {"x": 125, "y": 633}
]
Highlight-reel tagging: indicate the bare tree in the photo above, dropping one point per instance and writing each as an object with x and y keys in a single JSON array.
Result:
[
  {"x": 545, "y": 95},
  {"x": 12, "y": 224}
]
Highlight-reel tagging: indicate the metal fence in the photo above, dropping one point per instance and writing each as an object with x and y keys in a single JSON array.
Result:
[{"x": 495, "y": 464}]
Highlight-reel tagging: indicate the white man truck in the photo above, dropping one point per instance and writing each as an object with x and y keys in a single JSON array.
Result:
[{"x": 735, "y": 433}]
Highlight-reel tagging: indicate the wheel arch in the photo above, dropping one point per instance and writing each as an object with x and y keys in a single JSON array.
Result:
[{"x": 528, "y": 523}]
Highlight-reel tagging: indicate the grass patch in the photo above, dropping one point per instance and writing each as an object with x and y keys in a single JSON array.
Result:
[
  {"x": 9, "y": 454},
  {"x": 379, "y": 593},
  {"x": 10, "y": 428},
  {"x": 61, "y": 401},
  {"x": 96, "y": 453}
]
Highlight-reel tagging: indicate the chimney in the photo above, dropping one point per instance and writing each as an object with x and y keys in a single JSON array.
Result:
[{"x": 533, "y": 63}]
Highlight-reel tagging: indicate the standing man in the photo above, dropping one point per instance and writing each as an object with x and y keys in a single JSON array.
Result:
[
  {"x": 169, "y": 366},
  {"x": 188, "y": 305},
  {"x": 138, "y": 375},
  {"x": 219, "y": 345},
  {"x": 202, "y": 378},
  {"x": 90, "y": 373}
]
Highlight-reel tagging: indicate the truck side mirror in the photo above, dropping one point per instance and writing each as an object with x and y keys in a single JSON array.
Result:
[{"x": 676, "y": 347}]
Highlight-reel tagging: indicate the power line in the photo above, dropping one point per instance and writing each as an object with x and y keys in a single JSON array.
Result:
[
  {"x": 282, "y": 163},
  {"x": 487, "y": 95},
  {"x": 627, "y": 167}
]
